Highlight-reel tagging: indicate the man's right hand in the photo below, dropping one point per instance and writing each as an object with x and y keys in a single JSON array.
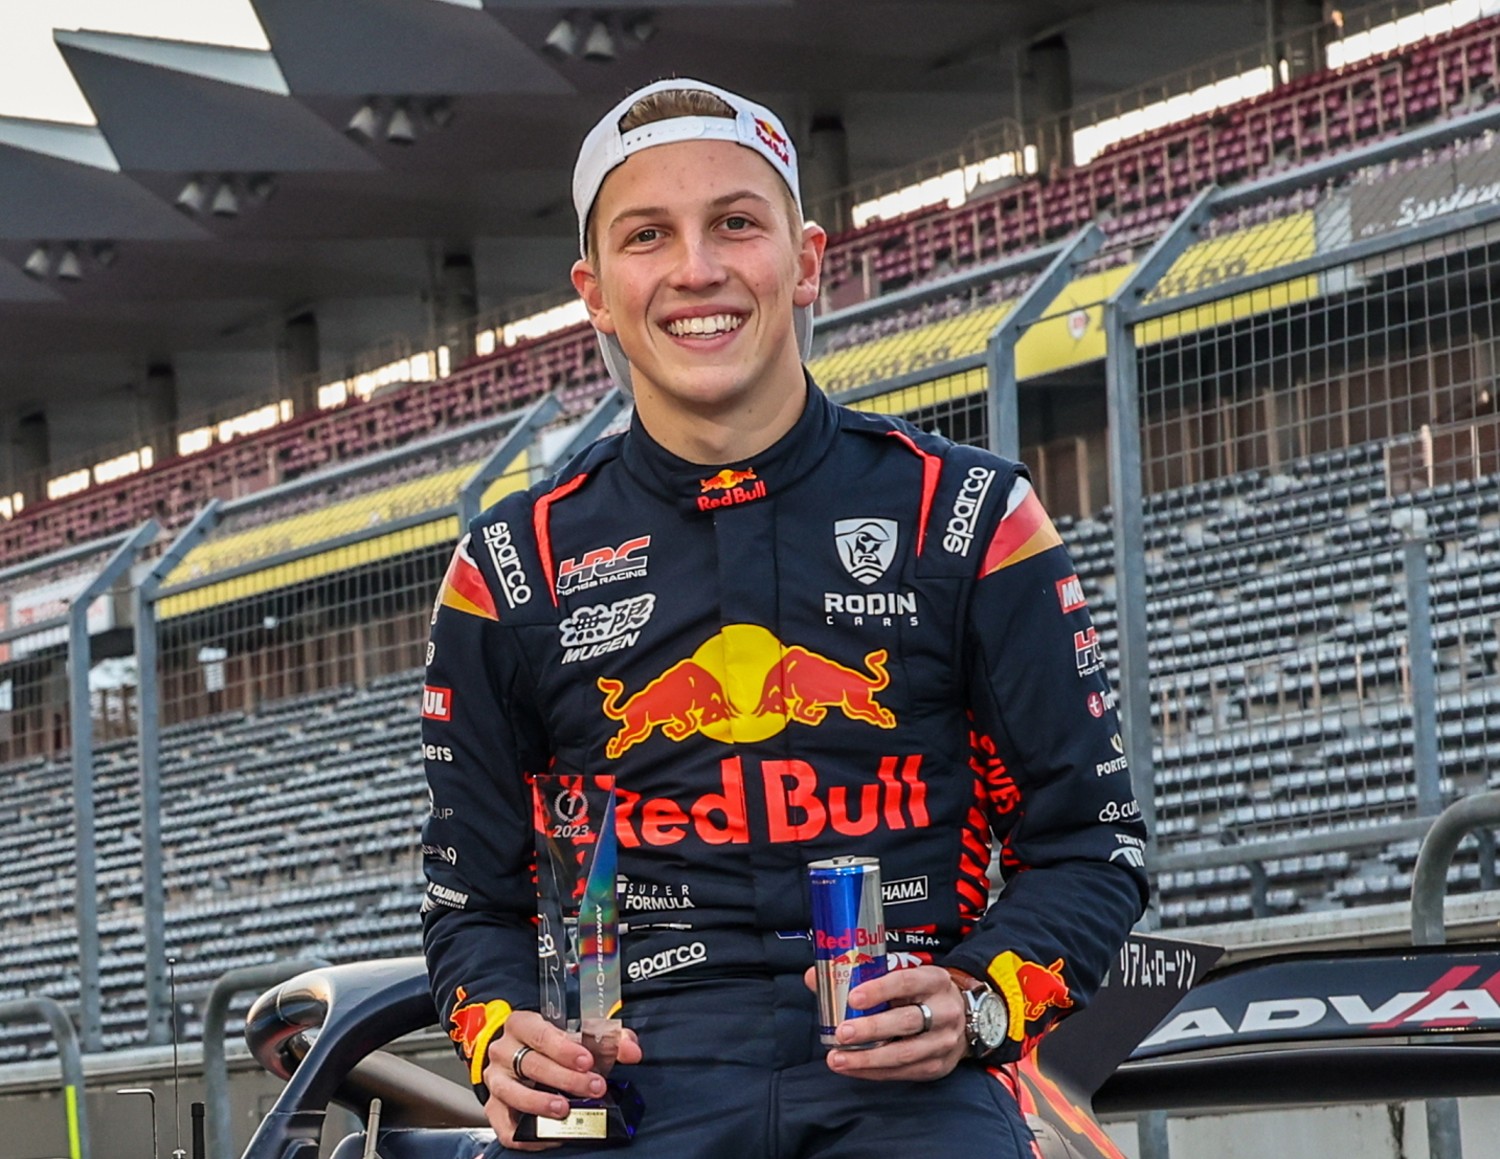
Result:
[{"x": 556, "y": 1064}]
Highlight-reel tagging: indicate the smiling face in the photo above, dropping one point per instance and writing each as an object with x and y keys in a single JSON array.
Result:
[{"x": 697, "y": 267}]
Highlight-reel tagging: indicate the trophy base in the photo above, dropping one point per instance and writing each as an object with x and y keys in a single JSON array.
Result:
[{"x": 610, "y": 1120}]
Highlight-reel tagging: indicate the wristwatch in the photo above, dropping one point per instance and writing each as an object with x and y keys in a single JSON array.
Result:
[{"x": 985, "y": 1017}]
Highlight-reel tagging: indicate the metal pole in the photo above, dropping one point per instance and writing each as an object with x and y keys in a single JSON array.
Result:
[
  {"x": 592, "y": 427},
  {"x": 1430, "y": 877},
  {"x": 516, "y": 440},
  {"x": 81, "y": 724},
  {"x": 1126, "y": 487},
  {"x": 215, "y": 1065},
  {"x": 149, "y": 1093},
  {"x": 1420, "y": 658},
  {"x": 1428, "y": 886},
  {"x": 1151, "y": 1135},
  {"x": 68, "y": 1056},
  {"x": 148, "y": 753},
  {"x": 1000, "y": 350}
]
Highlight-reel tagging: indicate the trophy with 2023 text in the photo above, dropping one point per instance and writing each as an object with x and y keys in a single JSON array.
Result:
[{"x": 578, "y": 950}]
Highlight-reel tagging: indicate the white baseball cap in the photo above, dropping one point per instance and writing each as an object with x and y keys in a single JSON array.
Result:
[{"x": 754, "y": 126}]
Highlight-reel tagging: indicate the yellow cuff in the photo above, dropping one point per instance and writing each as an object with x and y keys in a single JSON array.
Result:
[{"x": 495, "y": 1015}]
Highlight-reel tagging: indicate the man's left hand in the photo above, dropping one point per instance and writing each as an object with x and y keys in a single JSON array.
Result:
[{"x": 907, "y": 1052}]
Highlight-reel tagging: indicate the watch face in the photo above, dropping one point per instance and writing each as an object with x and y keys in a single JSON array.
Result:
[{"x": 988, "y": 1022}]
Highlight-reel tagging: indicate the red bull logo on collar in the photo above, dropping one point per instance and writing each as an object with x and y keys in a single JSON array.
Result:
[
  {"x": 743, "y": 685},
  {"x": 733, "y": 487}
]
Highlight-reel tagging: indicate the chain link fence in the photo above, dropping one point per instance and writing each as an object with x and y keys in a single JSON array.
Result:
[{"x": 1315, "y": 404}]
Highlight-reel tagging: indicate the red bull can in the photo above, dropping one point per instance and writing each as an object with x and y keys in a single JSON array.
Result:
[{"x": 848, "y": 929}]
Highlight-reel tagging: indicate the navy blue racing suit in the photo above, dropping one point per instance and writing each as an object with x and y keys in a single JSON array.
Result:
[{"x": 866, "y": 640}]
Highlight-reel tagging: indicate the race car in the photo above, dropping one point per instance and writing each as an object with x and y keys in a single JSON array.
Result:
[{"x": 1167, "y": 1031}]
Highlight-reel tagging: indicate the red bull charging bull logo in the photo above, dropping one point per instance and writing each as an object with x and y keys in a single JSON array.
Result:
[
  {"x": 1029, "y": 989},
  {"x": 470, "y": 1021},
  {"x": 741, "y": 686}
]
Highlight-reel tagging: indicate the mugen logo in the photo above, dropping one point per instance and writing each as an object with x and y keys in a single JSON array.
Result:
[{"x": 601, "y": 628}]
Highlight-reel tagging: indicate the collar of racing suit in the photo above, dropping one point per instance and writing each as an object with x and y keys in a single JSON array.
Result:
[{"x": 701, "y": 489}]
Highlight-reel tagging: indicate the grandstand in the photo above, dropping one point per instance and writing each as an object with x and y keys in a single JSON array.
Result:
[{"x": 1318, "y": 423}]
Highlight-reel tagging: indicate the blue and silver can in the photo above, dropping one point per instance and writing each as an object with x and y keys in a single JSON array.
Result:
[{"x": 848, "y": 930}]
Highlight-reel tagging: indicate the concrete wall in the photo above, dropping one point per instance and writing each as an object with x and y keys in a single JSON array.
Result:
[{"x": 1397, "y": 1131}]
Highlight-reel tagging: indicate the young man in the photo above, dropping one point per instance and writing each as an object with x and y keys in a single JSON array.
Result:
[{"x": 787, "y": 631}]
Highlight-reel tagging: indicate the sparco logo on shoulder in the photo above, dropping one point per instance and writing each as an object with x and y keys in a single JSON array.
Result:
[
  {"x": 959, "y": 533},
  {"x": 507, "y": 563}
]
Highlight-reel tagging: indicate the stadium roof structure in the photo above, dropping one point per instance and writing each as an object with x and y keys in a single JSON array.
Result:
[{"x": 495, "y": 105}]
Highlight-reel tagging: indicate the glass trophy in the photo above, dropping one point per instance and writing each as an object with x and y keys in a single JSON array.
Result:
[{"x": 578, "y": 951}]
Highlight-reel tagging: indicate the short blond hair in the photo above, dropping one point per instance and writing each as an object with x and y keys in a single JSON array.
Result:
[{"x": 668, "y": 105}]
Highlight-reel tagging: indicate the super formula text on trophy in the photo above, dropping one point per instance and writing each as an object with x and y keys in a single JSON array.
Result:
[{"x": 578, "y": 950}]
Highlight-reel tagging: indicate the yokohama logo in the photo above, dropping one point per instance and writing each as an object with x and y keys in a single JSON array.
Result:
[{"x": 437, "y": 703}]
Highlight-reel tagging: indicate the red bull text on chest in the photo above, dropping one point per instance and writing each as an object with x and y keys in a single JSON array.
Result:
[{"x": 848, "y": 928}]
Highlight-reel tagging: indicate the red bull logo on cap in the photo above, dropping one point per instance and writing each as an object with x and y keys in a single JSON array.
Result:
[
  {"x": 743, "y": 685},
  {"x": 772, "y": 138},
  {"x": 1029, "y": 989}
]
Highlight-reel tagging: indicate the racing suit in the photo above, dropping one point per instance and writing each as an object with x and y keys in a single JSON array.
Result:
[{"x": 866, "y": 640}]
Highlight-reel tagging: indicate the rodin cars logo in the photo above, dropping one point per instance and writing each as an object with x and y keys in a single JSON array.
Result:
[{"x": 866, "y": 546}]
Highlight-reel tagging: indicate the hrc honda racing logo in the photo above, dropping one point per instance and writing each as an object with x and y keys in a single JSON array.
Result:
[
  {"x": 769, "y": 686},
  {"x": 604, "y": 565}
]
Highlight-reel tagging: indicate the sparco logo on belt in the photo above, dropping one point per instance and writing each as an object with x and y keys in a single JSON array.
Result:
[
  {"x": 513, "y": 585},
  {"x": 959, "y": 533},
  {"x": 665, "y": 961}
]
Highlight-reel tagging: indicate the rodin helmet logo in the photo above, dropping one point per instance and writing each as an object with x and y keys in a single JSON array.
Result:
[{"x": 866, "y": 546}]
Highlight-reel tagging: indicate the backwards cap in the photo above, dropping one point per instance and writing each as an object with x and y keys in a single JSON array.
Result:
[{"x": 753, "y": 126}]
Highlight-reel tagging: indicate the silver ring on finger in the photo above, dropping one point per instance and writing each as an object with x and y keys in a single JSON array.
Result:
[
  {"x": 518, "y": 1058},
  {"x": 926, "y": 1013}
]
